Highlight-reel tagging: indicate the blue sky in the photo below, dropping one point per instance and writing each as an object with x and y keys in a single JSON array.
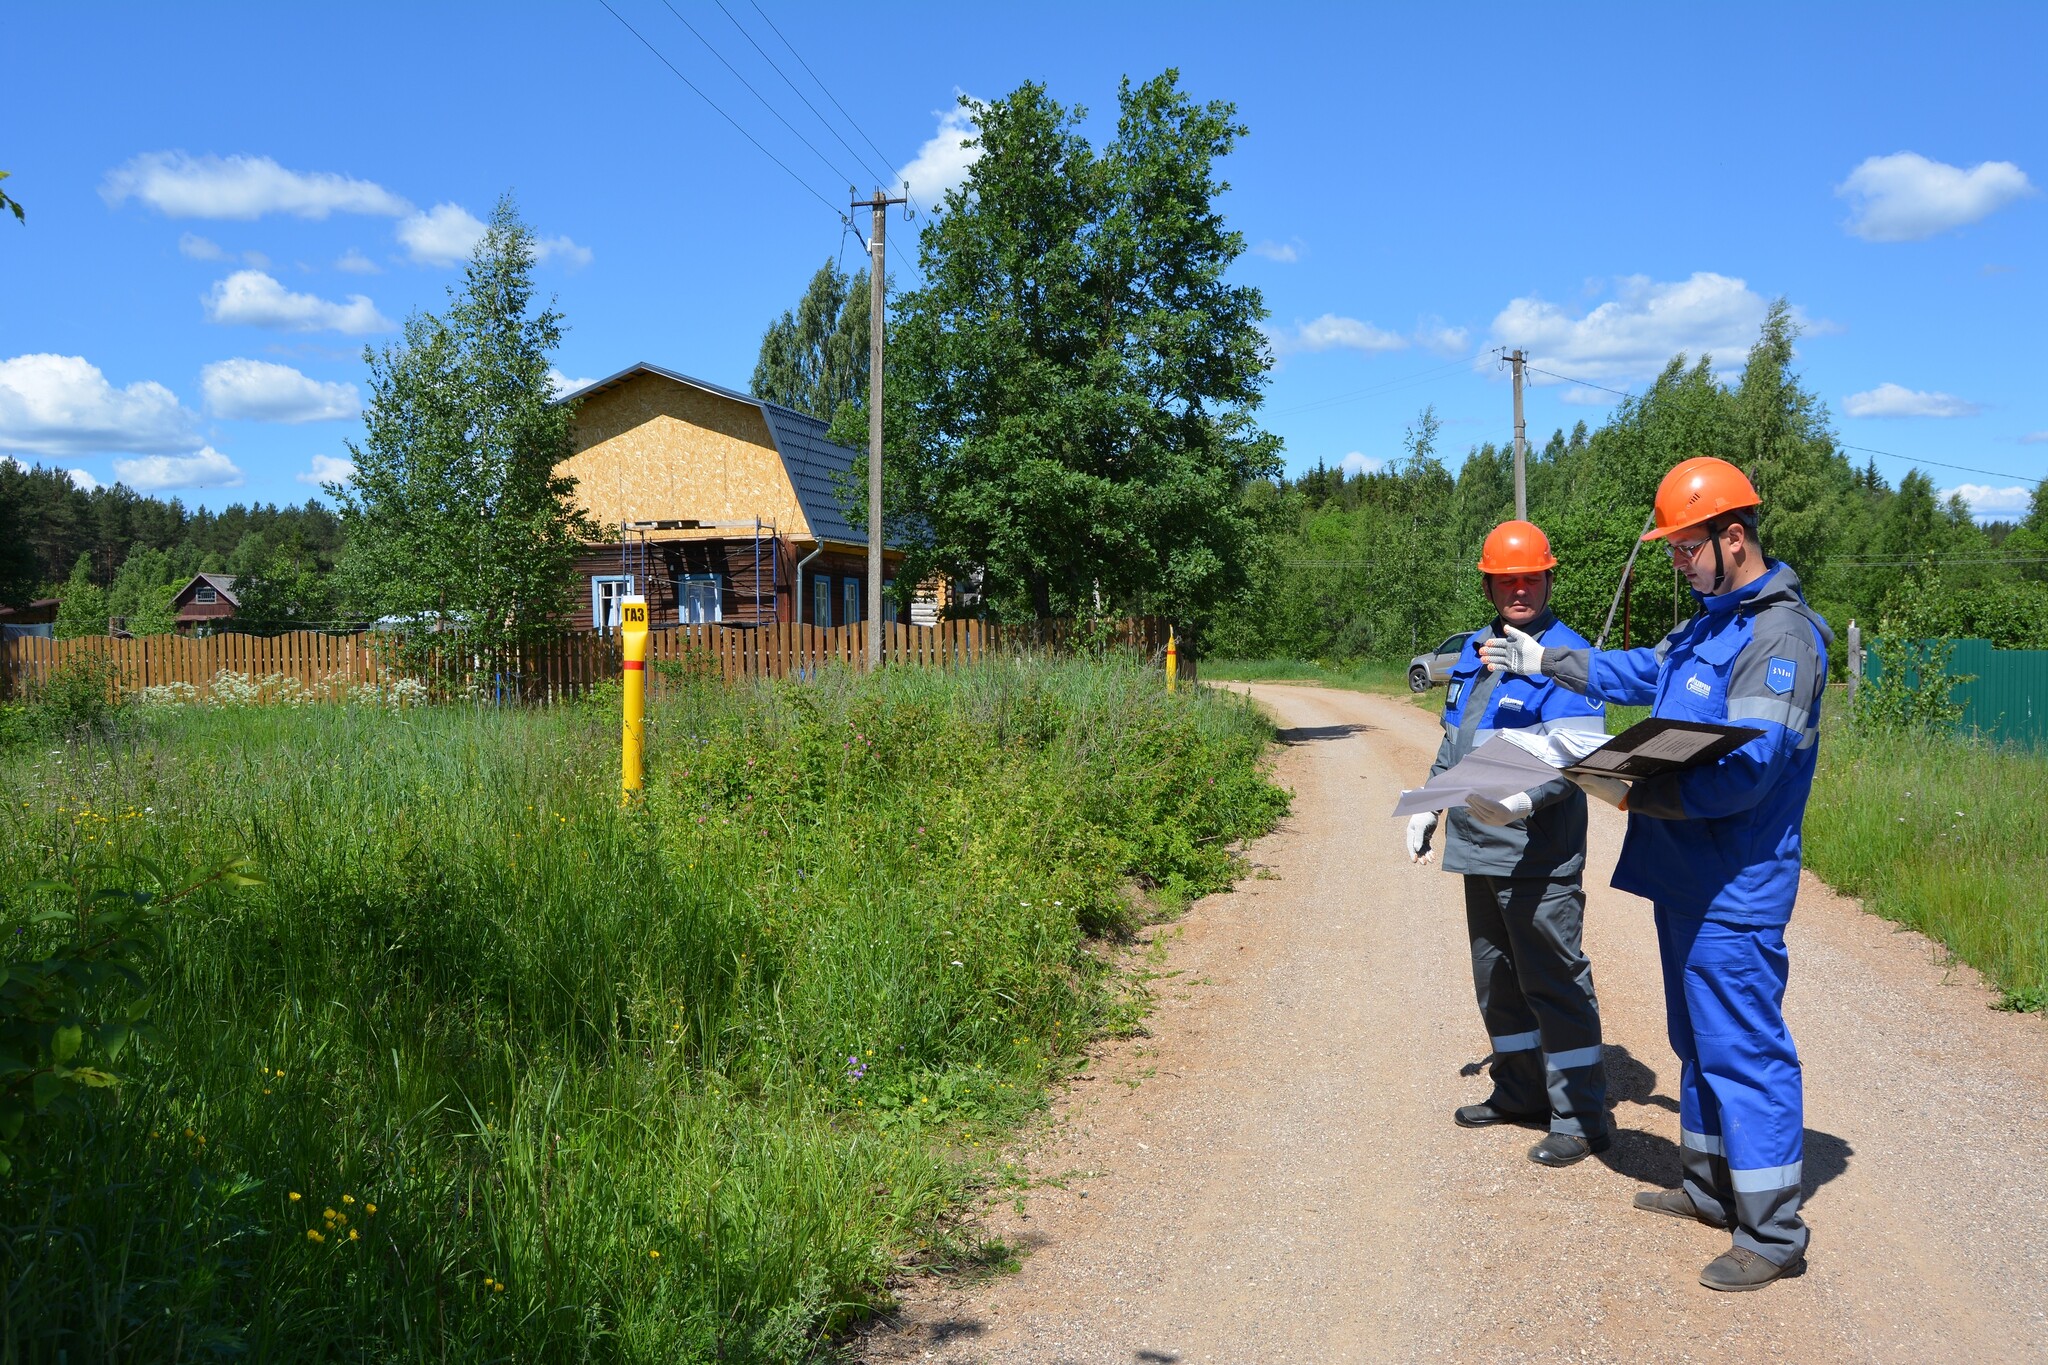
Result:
[{"x": 225, "y": 203}]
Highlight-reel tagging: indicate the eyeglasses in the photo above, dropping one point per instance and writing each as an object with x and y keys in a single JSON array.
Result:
[{"x": 1687, "y": 552}]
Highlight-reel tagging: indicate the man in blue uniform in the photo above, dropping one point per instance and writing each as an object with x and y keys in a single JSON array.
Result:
[
  {"x": 1716, "y": 848},
  {"x": 1523, "y": 859}
]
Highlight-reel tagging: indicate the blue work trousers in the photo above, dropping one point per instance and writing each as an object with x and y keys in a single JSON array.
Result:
[{"x": 1741, "y": 1111}]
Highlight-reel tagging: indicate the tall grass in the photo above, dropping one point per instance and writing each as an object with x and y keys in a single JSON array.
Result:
[
  {"x": 675, "y": 1083},
  {"x": 1947, "y": 836},
  {"x": 1364, "y": 675}
]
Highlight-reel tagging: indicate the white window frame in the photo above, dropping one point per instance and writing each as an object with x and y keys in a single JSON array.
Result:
[
  {"x": 606, "y": 590},
  {"x": 692, "y": 599},
  {"x": 208, "y": 595}
]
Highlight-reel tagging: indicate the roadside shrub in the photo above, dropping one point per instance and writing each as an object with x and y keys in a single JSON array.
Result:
[{"x": 1912, "y": 690}]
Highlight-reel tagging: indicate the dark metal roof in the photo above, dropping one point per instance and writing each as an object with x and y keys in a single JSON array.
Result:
[{"x": 814, "y": 465}]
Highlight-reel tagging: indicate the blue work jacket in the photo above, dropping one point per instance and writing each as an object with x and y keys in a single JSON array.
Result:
[
  {"x": 1551, "y": 840},
  {"x": 1721, "y": 840}
]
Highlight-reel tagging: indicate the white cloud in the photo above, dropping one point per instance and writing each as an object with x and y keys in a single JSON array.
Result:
[
  {"x": 243, "y": 187},
  {"x": 328, "y": 469},
  {"x": 1433, "y": 334},
  {"x": 1580, "y": 396},
  {"x": 1359, "y": 463},
  {"x": 1893, "y": 400},
  {"x": 260, "y": 391},
  {"x": 1287, "y": 253},
  {"x": 1331, "y": 332},
  {"x": 563, "y": 384},
  {"x": 82, "y": 480},
  {"x": 206, "y": 469},
  {"x": 1905, "y": 197},
  {"x": 942, "y": 163},
  {"x": 1993, "y": 504},
  {"x": 253, "y": 299},
  {"x": 561, "y": 248},
  {"x": 443, "y": 235},
  {"x": 194, "y": 247},
  {"x": 356, "y": 263},
  {"x": 1635, "y": 334},
  {"x": 63, "y": 405},
  {"x": 2034, "y": 438}
]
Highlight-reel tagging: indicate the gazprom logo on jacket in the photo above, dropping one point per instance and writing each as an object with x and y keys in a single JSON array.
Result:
[{"x": 1699, "y": 686}]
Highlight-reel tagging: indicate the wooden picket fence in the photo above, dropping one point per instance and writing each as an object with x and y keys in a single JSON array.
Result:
[{"x": 323, "y": 666}]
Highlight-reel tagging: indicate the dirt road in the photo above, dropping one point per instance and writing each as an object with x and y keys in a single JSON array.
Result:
[{"x": 1273, "y": 1175}]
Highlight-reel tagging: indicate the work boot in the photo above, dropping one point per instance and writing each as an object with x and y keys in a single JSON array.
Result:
[
  {"x": 1486, "y": 1116},
  {"x": 1564, "y": 1149},
  {"x": 1675, "y": 1204},
  {"x": 1739, "y": 1268}
]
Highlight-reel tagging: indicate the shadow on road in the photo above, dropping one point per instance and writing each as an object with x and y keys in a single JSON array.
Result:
[
  {"x": 1310, "y": 734},
  {"x": 1654, "y": 1160}
]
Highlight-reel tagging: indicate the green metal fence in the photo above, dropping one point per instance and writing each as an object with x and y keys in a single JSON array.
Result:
[{"x": 2006, "y": 698}]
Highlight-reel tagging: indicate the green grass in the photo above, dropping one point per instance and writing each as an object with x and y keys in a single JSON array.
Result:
[
  {"x": 1946, "y": 836},
  {"x": 687, "y": 1082}
]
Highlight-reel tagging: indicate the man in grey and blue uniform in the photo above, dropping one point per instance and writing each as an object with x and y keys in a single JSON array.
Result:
[
  {"x": 1523, "y": 859},
  {"x": 1716, "y": 848}
]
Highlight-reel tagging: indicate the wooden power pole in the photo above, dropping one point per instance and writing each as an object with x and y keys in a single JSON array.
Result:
[
  {"x": 878, "y": 296},
  {"x": 1518, "y": 359}
]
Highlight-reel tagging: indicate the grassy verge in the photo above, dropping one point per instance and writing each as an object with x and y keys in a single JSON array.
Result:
[
  {"x": 1359, "y": 677},
  {"x": 490, "y": 1069},
  {"x": 1946, "y": 836}
]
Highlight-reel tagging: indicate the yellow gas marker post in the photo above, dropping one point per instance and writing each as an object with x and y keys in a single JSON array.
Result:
[
  {"x": 633, "y": 631},
  {"x": 1172, "y": 659}
]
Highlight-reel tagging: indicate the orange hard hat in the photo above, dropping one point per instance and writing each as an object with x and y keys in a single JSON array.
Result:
[
  {"x": 1516, "y": 547},
  {"x": 1697, "y": 491}
]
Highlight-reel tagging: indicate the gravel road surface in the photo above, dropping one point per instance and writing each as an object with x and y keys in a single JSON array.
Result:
[{"x": 1273, "y": 1176}]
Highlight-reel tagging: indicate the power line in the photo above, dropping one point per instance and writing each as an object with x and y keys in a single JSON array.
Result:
[
  {"x": 821, "y": 85},
  {"x": 1915, "y": 459},
  {"x": 737, "y": 127},
  {"x": 1582, "y": 383},
  {"x": 755, "y": 93},
  {"x": 1385, "y": 386},
  {"x": 857, "y": 158}
]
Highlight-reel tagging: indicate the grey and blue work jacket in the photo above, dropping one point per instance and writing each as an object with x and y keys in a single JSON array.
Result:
[
  {"x": 1551, "y": 840},
  {"x": 1721, "y": 840}
]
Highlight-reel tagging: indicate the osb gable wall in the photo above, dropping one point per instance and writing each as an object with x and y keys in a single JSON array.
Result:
[{"x": 651, "y": 449}]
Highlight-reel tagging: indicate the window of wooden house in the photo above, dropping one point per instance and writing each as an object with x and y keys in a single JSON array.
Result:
[
  {"x": 889, "y": 610},
  {"x": 207, "y": 595},
  {"x": 606, "y": 592},
  {"x": 849, "y": 599},
  {"x": 821, "y": 600},
  {"x": 700, "y": 598}
]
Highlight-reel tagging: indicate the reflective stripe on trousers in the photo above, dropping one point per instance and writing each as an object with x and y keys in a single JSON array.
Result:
[{"x": 1535, "y": 992}]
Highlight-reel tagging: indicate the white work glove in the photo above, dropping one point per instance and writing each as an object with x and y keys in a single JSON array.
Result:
[
  {"x": 1503, "y": 812},
  {"x": 1520, "y": 652},
  {"x": 1612, "y": 790},
  {"x": 1420, "y": 827}
]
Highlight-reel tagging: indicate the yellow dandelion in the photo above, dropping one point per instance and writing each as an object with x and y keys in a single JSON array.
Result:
[
  {"x": 653, "y": 1255},
  {"x": 294, "y": 1196}
]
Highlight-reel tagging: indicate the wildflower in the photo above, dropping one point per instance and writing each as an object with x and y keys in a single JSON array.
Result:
[
  {"x": 313, "y": 1235},
  {"x": 348, "y": 1199},
  {"x": 353, "y": 1235},
  {"x": 498, "y": 1287},
  {"x": 294, "y": 1196},
  {"x": 266, "y": 1090},
  {"x": 653, "y": 1255},
  {"x": 369, "y": 1208}
]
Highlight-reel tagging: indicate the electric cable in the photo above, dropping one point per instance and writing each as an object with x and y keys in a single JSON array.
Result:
[
  {"x": 737, "y": 126},
  {"x": 1915, "y": 459},
  {"x": 755, "y": 93},
  {"x": 1381, "y": 387},
  {"x": 858, "y": 159},
  {"x": 821, "y": 85}
]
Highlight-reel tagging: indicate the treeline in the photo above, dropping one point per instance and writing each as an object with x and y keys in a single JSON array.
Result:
[
  {"x": 113, "y": 552},
  {"x": 1380, "y": 565}
]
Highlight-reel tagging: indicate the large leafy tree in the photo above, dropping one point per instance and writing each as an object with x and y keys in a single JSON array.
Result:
[
  {"x": 455, "y": 511},
  {"x": 1071, "y": 390},
  {"x": 815, "y": 357}
]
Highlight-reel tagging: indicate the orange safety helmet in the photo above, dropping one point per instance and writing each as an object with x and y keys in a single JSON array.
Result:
[
  {"x": 1516, "y": 547},
  {"x": 1698, "y": 490}
]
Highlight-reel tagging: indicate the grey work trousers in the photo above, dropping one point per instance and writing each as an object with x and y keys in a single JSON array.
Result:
[{"x": 1535, "y": 990}]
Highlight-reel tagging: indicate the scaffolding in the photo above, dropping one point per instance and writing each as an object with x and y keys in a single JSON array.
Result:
[{"x": 637, "y": 562}]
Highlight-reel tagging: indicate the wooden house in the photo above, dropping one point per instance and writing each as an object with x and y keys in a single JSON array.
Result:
[
  {"x": 725, "y": 508},
  {"x": 205, "y": 604}
]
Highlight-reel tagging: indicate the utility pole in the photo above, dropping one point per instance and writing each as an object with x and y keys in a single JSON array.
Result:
[
  {"x": 878, "y": 293},
  {"x": 1518, "y": 359}
]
